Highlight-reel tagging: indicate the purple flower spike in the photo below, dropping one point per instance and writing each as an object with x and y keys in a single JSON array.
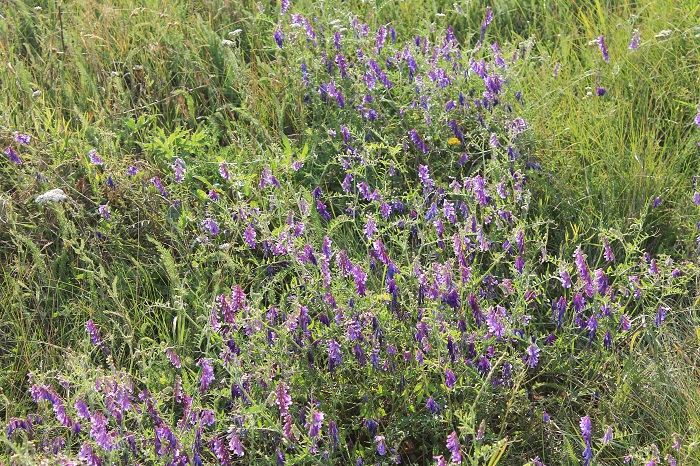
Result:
[
  {"x": 487, "y": 20},
  {"x": 432, "y": 406},
  {"x": 634, "y": 43},
  {"x": 454, "y": 447},
  {"x": 284, "y": 5},
  {"x": 608, "y": 437},
  {"x": 360, "y": 278},
  {"x": 697, "y": 119},
  {"x": 268, "y": 179},
  {"x": 334, "y": 357},
  {"x": 381, "y": 445},
  {"x": 450, "y": 378},
  {"x": 223, "y": 171},
  {"x": 603, "y": 49},
  {"x": 283, "y": 400},
  {"x": 159, "y": 186},
  {"x": 279, "y": 37},
  {"x": 207, "y": 374},
  {"x": 249, "y": 236},
  {"x": 210, "y": 226},
  {"x": 608, "y": 254},
  {"x": 370, "y": 228},
  {"x": 316, "y": 423},
  {"x": 532, "y": 355},
  {"x": 13, "y": 156},
  {"x": 173, "y": 358},
  {"x": 105, "y": 212},
  {"x": 418, "y": 141},
  {"x": 90, "y": 457},
  {"x": 179, "y": 170},
  {"x": 95, "y": 338},
  {"x": 323, "y": 211},
  {"x": 586, "y": 427},
  {"x": 94, "y": 158},
  {"x": 660, "y": 317},
  {"x": 23, "y": 139}
]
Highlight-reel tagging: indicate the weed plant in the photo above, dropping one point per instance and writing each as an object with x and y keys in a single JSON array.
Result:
[{"x": 349, "y": 233}]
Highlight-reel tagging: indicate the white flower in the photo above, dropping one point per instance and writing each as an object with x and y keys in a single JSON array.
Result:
[{"x": 55, "y": 195}]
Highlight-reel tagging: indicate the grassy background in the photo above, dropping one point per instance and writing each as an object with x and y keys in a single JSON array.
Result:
[{"x": 140, "y": 81}]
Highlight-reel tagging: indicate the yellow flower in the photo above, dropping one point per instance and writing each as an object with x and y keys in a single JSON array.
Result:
[{"x": 453, "y": 142}]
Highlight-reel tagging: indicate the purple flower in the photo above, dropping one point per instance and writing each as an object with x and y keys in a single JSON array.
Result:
[
  {"x": 418, "y": 141},
  {"x": 94, "y": 158},
  {"x": 441, "y": 461},
  {"x": 207, "y": 374},
  {"x": 159, "y": 186},
  {"x": 657, "y": 202},
  {"x": 90, "y": 457},
  {"x": 370, "y": 228},
  {"x": 454, "y": 447},
  {"x": 603, "y": 49},
  {"x": 625, "y": 323},
  {"x": 450, "y": 378},
  {"x": 132, "y": 170},
  {"x": 23, "y": 139},
  {"x": 105, "y": 212},
  {"x": 585, "y": 425},
  {"x": 634, "y": 43},
  {"x": 179, "y": 170},
  {"x": 16, "y": 423},
  {"x": 565, "y": 278},
  {"x": 360, "y": 278},
  {"x": 13, "y": 155},
  {"x": 697, "y": 119},
  {"x": 46, "y": 392},
  {"x": 95, "y": 335},
  {"x": 532, "y": 355},
  {"x": 323, "y": 211},
  {"x": 223, "y": 171},
  {"x": 424, "y": 176},
  {"x": 316, "y": 424},
  {"x": 487, "y": 20},
  {"x": 284, "y": 5},
  {"x": 660, "y": 317},
  {"x": 333, "y": 433},
  {"x": 546, "y": 417},
  {"x": 210, "y": 226},
  {"x": 432, "y": 406},
  {"x": 607, "y": 340},
  {"x": 608, "y": 437},
  {"x": 334, "y": 357},
  {"x": 283, "y": 400},
  {"x": 98, "y": 430},
  {"x": 600, "y": 91},
  {"x": 249, "y": 236},
  {"x": 268, "y": 179},
  {"x": 173, "y": 357},
  {"x": 279, "y": 37},
  {"x": 608, "y": 254},
  {"x": 235, "y": 445},
  {"x": 493, "y": 140},
  {"x": 381, "y": 445}
]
